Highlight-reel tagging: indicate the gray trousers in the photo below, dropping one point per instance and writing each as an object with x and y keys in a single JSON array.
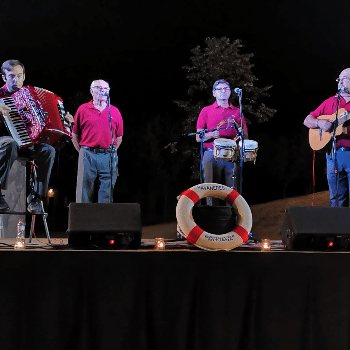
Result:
[
  {"x": 42, "y": 154},
  {"x": 217, "y": 171},
  {"x": 96, "y": 170}
]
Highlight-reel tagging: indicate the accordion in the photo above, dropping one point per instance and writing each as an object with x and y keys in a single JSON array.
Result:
[{"x": 37, "y": 115}]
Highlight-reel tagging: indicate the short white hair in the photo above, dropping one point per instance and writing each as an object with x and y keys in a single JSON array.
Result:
[{"x": 94, "y": 81}]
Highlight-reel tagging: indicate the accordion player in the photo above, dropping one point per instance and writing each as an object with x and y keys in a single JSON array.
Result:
[{"x": 37, "y": 115}]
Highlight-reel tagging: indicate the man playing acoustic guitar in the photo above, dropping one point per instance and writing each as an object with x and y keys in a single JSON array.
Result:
[{"x": 321, "y": 123}]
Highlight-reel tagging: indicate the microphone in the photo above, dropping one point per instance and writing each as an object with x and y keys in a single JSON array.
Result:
[
  {"x": 237, "y": 90},
  {"x": 235, "y": 126},
  {"x": 341, "y": 89}
]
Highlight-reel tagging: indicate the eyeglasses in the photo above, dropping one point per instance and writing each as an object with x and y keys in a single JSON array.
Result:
[
  {"x": 100, "y": 88},
  {"x": 223, "y": 89},
  {"x": 342, "y": 79},
  {"x": 13, "y": 76}
]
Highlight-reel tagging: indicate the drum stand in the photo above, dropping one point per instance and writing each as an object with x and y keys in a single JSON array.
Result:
[{"x": 233, "y": 177}]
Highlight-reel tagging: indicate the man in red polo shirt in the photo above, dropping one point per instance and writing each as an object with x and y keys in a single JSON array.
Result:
[
  {"x": 13, "y": 75},
  {"x": 339, "y": 193},
  {"x": 211, "y": 117},
  {"x": 97, "y": 134}
]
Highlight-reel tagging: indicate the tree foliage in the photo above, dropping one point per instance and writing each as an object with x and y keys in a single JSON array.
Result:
[{"x": 221, "y": 59}]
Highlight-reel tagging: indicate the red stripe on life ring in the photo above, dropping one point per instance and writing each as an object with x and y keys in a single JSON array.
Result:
[
  {"x": 193, "y": 196},
  {"x": 194, "y": 234},
  {"x": 242, "y": 232},
  {"x": 231, "y": 197}
]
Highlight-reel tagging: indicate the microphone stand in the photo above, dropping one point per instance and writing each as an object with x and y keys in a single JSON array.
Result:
[
  {"x": 112, "y": 147},
  {"x": 201, "y": 166},
  {"x": 241, "y": 161},
  {"x": 202, "y": 136},
  {"x": 239, "y": 93},
  {"x": 333, "y": 155}
]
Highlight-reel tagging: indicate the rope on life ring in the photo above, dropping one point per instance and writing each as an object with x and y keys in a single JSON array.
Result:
[{"x": 202, "y": 239}]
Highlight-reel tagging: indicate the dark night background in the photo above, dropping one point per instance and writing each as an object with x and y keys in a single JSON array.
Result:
[{"x": 299, "y": 48}]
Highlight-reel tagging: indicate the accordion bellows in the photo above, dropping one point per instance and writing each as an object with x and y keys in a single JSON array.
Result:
[{"x": 37, "y": 115}]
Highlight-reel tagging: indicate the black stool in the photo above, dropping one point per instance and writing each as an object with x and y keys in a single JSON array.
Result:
[
  {"x": 19, "y": 188},
  {"x": 33, "y": 177}
]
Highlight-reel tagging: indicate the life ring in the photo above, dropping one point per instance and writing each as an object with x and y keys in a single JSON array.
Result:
[{"x": 202, "y": 239}]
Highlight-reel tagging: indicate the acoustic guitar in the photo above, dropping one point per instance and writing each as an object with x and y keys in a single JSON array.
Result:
[{"x": 318, "y": 138}]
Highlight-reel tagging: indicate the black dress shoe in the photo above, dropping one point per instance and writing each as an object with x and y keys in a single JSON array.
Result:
[{"x": 3, "y": 204}]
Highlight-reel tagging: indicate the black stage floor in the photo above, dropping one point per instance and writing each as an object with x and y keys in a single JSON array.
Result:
[
  {"x": 54, "y": 297},
  {"x": 59, "y": 243}
]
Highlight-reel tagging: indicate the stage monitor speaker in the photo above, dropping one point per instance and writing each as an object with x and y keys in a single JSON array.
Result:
[
  {"x": 316, "y": 228},
  {"x": 104, "y": 225}
]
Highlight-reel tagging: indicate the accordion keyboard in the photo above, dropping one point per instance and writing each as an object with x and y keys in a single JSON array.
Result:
[{"x": 15, "y": 125}]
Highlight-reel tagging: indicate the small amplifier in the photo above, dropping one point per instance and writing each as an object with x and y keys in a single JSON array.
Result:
[{"x": 104, "y": 225}]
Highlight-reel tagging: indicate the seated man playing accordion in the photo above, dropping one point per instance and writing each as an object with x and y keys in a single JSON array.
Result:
[{"x": 13, "y": 74}]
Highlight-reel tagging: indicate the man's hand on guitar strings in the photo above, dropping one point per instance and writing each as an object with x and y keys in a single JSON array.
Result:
[{"x": 325, "y": 124}]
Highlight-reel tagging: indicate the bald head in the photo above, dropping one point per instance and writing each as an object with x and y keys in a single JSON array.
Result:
[
  {"x": 99, "y": 90},
  {"x": 345, "y": 73},
  {"x": 344, "y": 82},
  {"x": 98, "y": 82}
]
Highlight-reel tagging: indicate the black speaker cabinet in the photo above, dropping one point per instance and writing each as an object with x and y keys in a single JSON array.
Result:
[
  {"x": 316, "y": 228},
  {"x": 104, "y": 225}
]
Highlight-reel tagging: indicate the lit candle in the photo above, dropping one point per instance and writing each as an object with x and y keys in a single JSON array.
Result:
[
  {"x": 159, "y": 244},
  {"x": 265, "y": 245}
]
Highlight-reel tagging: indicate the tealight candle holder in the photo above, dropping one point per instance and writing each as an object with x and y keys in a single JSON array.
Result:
[
  {"x": 265, "y": 245},
  {"x": 159, "y": 244}
]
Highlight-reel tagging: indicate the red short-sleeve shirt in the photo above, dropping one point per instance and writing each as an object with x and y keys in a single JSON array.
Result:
[{"x": 93, "y": 128}]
